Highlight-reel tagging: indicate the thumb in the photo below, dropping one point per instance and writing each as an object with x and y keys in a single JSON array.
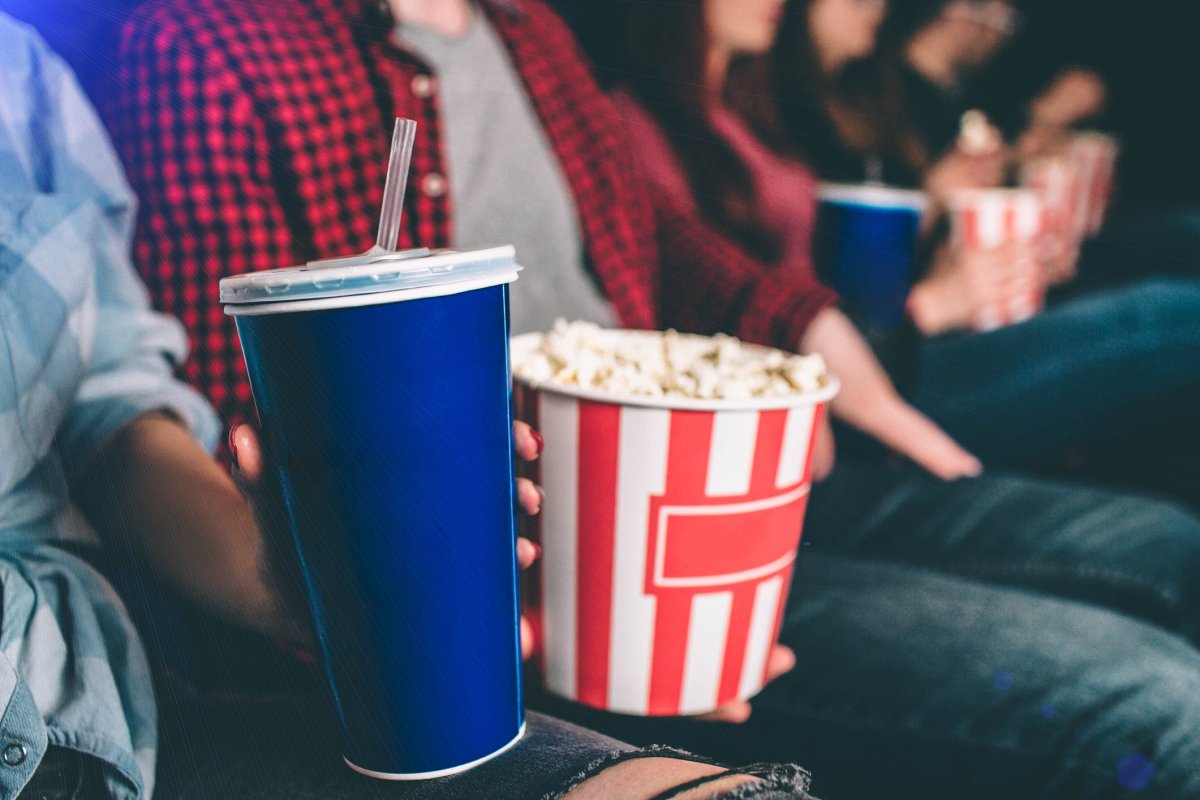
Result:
[{"x": 247, "y": 452}]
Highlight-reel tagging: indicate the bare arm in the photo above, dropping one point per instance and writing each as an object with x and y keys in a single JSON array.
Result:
[
  {"x": 152, "y": 490},
  {"x": 869, "y": 401}
]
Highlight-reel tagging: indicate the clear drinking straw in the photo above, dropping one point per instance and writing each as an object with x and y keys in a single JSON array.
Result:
[
  {"x": 397, "y": 181},
  {"x": 399, "y": 161}
]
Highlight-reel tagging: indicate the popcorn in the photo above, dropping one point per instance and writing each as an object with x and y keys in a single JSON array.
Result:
[
  {"x": 670, "y": 364},
  {"x": 976, "y": 134}
]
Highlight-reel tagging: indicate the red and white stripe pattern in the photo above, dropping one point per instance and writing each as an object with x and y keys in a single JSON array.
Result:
[
  {"x": 989, "y": 218},
  {"x": 668, "y": 543},
  {"x": 1056, "y": 181},
  {"x": 1094, "y": 158}
]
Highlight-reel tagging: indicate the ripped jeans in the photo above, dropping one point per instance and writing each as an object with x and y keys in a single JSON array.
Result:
[{"x": 271, "y": 748}]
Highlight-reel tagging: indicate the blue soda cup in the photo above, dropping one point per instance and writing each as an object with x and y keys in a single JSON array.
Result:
[
  {"x": 384, "y": 394},
  {"x": 866, "y": 247}
]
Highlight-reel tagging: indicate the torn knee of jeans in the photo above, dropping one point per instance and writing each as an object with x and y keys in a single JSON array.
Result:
[
  {"x": 775, "y": 782},
  {"x": 619, "y": 757}
]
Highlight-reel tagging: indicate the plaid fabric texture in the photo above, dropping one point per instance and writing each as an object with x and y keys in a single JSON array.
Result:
[
  {"x": 256, "y": 133},
  {"x": 81, "y": 355}
]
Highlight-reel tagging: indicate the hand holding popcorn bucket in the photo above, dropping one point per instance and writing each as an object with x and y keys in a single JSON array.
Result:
[
  {"x": 988, "y": 219},
  {"x": 670, "y": 530}
]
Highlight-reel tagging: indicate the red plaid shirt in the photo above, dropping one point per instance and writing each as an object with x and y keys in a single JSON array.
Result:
[{"x": 255, "y": 134}]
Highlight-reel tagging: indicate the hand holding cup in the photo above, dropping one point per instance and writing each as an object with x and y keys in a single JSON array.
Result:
[
  {"x": 965, "y": 282},
  {"x": 248, "y": 469}
]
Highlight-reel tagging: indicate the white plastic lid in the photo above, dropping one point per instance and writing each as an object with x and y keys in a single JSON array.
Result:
[
  {"x": 875, "y": 195},
  {"x": 371, "y": 274}
]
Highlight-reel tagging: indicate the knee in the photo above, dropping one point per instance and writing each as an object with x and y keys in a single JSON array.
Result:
[
  {"x": 1164, "y": 302},
  {"x": 1150, "y": 721},
  {"x": 1147, "y": 552}
]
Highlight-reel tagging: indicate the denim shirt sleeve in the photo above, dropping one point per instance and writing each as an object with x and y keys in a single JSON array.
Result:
[
  {"x": 94, "y": 347},
  {"x": 22, "y": 734}
]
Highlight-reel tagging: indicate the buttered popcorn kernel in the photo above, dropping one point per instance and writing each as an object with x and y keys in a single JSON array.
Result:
[
  {"x": 977, "y": 135},
  {"x": 670, "y": 364}
]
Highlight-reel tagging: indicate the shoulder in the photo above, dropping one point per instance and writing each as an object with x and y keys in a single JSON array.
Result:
[
  {"x": 656, "y": 156},
  {"x": 48, "y": 127},
  {"x": 540, "y": 39},
  {"x": 535, "y": 15},
  {"x": 24, "y": 59},
  {"x": 224, "y": 31}
]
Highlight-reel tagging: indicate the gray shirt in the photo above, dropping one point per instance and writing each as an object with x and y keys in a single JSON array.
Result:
[{"x": 506, "y": 183}]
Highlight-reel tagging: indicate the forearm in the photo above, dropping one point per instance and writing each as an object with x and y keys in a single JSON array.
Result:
[
  {"x": 866, "y": 387},
  {"x": 153, "y": 491},
  {"x": 870, "y": 402}
]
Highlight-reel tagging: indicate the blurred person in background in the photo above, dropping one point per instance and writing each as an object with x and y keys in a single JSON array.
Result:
[
  {"x": 1012, "y": 395},
  {"x": 959, "y": 567},
  {"x": 940, "y": 48}
]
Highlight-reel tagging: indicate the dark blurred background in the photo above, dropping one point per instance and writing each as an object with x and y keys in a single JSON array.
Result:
[{"x": 1148, "y": 51}]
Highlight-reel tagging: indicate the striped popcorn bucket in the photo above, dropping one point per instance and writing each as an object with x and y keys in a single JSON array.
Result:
[
  {"x": 669, "y": 534},
  {"x": 1056, "y": 181},
  {"x": 986, "y": 219},
  {"x": 1094, "y": 157}
]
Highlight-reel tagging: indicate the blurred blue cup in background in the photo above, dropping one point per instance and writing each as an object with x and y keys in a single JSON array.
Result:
[{"x": 865, "y": 247}]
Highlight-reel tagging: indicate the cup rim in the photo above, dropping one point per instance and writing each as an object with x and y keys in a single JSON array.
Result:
[
  {"x": 874, "y": 195},
  {"x": 818, "y": 397}
]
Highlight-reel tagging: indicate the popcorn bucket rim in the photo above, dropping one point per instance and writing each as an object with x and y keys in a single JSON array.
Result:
[{"x": 825, "y": 394}]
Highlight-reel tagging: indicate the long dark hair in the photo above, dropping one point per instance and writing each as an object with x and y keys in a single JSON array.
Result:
[
  {"x": 661, "y": 59},
  {"x": 864, "y": 106}
]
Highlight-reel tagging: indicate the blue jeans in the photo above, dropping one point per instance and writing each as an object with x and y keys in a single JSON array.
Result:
[
  {"x": 1097, "y": 368},
  {"x": 1160, "y": 242},
  {"x": 994, "y": 638}
]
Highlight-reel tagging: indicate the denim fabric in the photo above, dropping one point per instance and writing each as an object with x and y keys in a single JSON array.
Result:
[
  {"x": 81, "y": 355},
  {"x": 1160, "y": 242},
  {"x": 284, "y": 748},
  {"x": 993, "y": 638},
  {"x": 65, "y": 774},
  {"x": 1097, "y": 368}
]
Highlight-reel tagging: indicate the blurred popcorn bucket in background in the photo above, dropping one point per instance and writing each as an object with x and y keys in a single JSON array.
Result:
[
  {"x": 669, "y": 535},
  {"x": 1093, "y": 155},
  {"x": 1056, "y": 181},
  {"x": 987, "y": 219}
]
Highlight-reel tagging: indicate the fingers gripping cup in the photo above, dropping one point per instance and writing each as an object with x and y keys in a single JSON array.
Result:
[
  {"x": 866, "y": 246},
  {"x": 384, "y": 394},
  {"x": 669, "y": 535}
]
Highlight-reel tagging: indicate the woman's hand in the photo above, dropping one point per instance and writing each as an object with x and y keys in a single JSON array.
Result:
[
  {"x": 963, "y": 284},
  {"x": 959, "y": 170},
  {"x": 780, "y": 661},
  {"x": 1073, "y": 96},
  {"x": 869, "y": 402},
  {"x": 528, "y": 444}
]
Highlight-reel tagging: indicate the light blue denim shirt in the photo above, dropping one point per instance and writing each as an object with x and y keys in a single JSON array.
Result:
[{"x": 81, "y": 354}]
